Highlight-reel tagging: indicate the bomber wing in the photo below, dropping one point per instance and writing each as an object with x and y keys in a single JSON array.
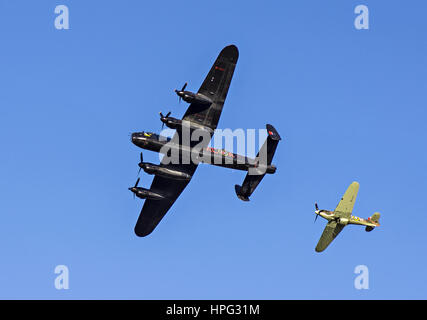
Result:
[
  {"x": 154, "y": 210},
  {"x": 215, "y": 87}
]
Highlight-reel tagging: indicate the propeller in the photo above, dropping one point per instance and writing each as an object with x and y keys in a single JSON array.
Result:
[
  {"x": 182, "y": 90},
  {"x": 140, "y": 162},
  {"x": 317, "y": 209},
  {"x": 162, "y": 117},
  {"x": 135, "y": 186}
]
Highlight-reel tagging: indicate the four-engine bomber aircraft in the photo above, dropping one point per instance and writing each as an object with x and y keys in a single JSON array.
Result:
[
  {"x": 341, "y": 217},
  {"x": 203, "y": 114}
]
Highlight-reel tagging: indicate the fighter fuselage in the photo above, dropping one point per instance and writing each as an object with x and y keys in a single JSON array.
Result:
[{"x": 332, "y": 215}]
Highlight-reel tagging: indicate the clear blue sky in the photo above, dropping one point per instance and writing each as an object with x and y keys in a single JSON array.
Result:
[{"x": 349, "y": 105}]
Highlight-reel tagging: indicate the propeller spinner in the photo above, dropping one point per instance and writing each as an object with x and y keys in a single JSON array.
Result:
[
  {"x": 139, "y": 164},
  {"x": 317, "y": 210},
  {"x": 181, "y": 92},
  {"x": 163, "y": 118},
  {"x": 133, "y": 189}
]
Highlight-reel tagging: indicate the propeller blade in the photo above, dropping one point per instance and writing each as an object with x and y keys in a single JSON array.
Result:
[
  {"x": 141, "y": 160},
  {"x": 185, "y": 86},
  {"x": 316, "y": 218},
  {"x": 162, "y": 117},
  {"x": 137, "y": 181},
  {"x": 315, "y": 205},
  {"x": 168, "y": 114}
]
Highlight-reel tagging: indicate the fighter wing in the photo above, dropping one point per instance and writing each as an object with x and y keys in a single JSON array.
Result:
[
  {"x": 346, "y": 204},
  {"x": 215, "y": 87},
  {"x": 154, "y": 210},
  {"x": 332, "y": 229}
]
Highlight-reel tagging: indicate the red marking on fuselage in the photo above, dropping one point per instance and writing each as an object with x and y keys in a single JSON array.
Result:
[
  {"x": 222, "y": 152},
  {"x": 218, "y": 68}
]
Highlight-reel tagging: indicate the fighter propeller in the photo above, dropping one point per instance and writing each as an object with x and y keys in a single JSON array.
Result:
[{"x": 317, "y": 210}]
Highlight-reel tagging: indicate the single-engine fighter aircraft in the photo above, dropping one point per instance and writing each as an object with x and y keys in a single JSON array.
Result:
[
  {"x": 203, "y": 114},
  {"x": 341, "y": 217}
]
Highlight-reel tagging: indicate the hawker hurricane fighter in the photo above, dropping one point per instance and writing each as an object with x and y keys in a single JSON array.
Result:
[
  {"x": 171, "y": 177},
  {"x": 341, "y": 217}
]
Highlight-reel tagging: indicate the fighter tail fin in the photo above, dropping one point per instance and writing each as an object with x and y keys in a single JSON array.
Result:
[{"x": 375, "y": 218}]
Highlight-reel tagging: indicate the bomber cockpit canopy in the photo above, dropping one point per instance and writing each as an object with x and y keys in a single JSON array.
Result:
[{"x": 151, "y": 135}]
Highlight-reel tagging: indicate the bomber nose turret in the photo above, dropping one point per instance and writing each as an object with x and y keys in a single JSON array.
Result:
[{"x": 133, "y": 137}]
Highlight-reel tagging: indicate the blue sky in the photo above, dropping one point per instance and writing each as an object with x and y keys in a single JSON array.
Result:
[{"x": 349, "y": 104}]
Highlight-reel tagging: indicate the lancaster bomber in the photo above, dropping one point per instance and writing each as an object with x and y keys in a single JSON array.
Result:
[
  {"x": 341, "y": 217},
  {"x": 171, "y": 177}
]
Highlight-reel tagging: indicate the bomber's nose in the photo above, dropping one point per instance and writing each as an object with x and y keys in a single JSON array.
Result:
[{"x": 133, "y": 137}]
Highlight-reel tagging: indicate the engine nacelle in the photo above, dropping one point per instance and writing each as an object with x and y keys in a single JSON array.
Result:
[
  {"x": 157, "y": 170},
  {"x": 143, "y": 193},
  {"x": 191, "y": 97},
  {"x": 177, "y": 124}
]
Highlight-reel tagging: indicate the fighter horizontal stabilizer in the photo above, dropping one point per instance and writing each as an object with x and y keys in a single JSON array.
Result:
[
  {"x": 375, "y": 219},
  {"x": 263, "y": 165}
]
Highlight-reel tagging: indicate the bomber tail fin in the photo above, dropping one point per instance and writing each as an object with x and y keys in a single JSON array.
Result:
[
  {"x": 264, "y": 158},
  {"x": 269, "y": 147}
]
